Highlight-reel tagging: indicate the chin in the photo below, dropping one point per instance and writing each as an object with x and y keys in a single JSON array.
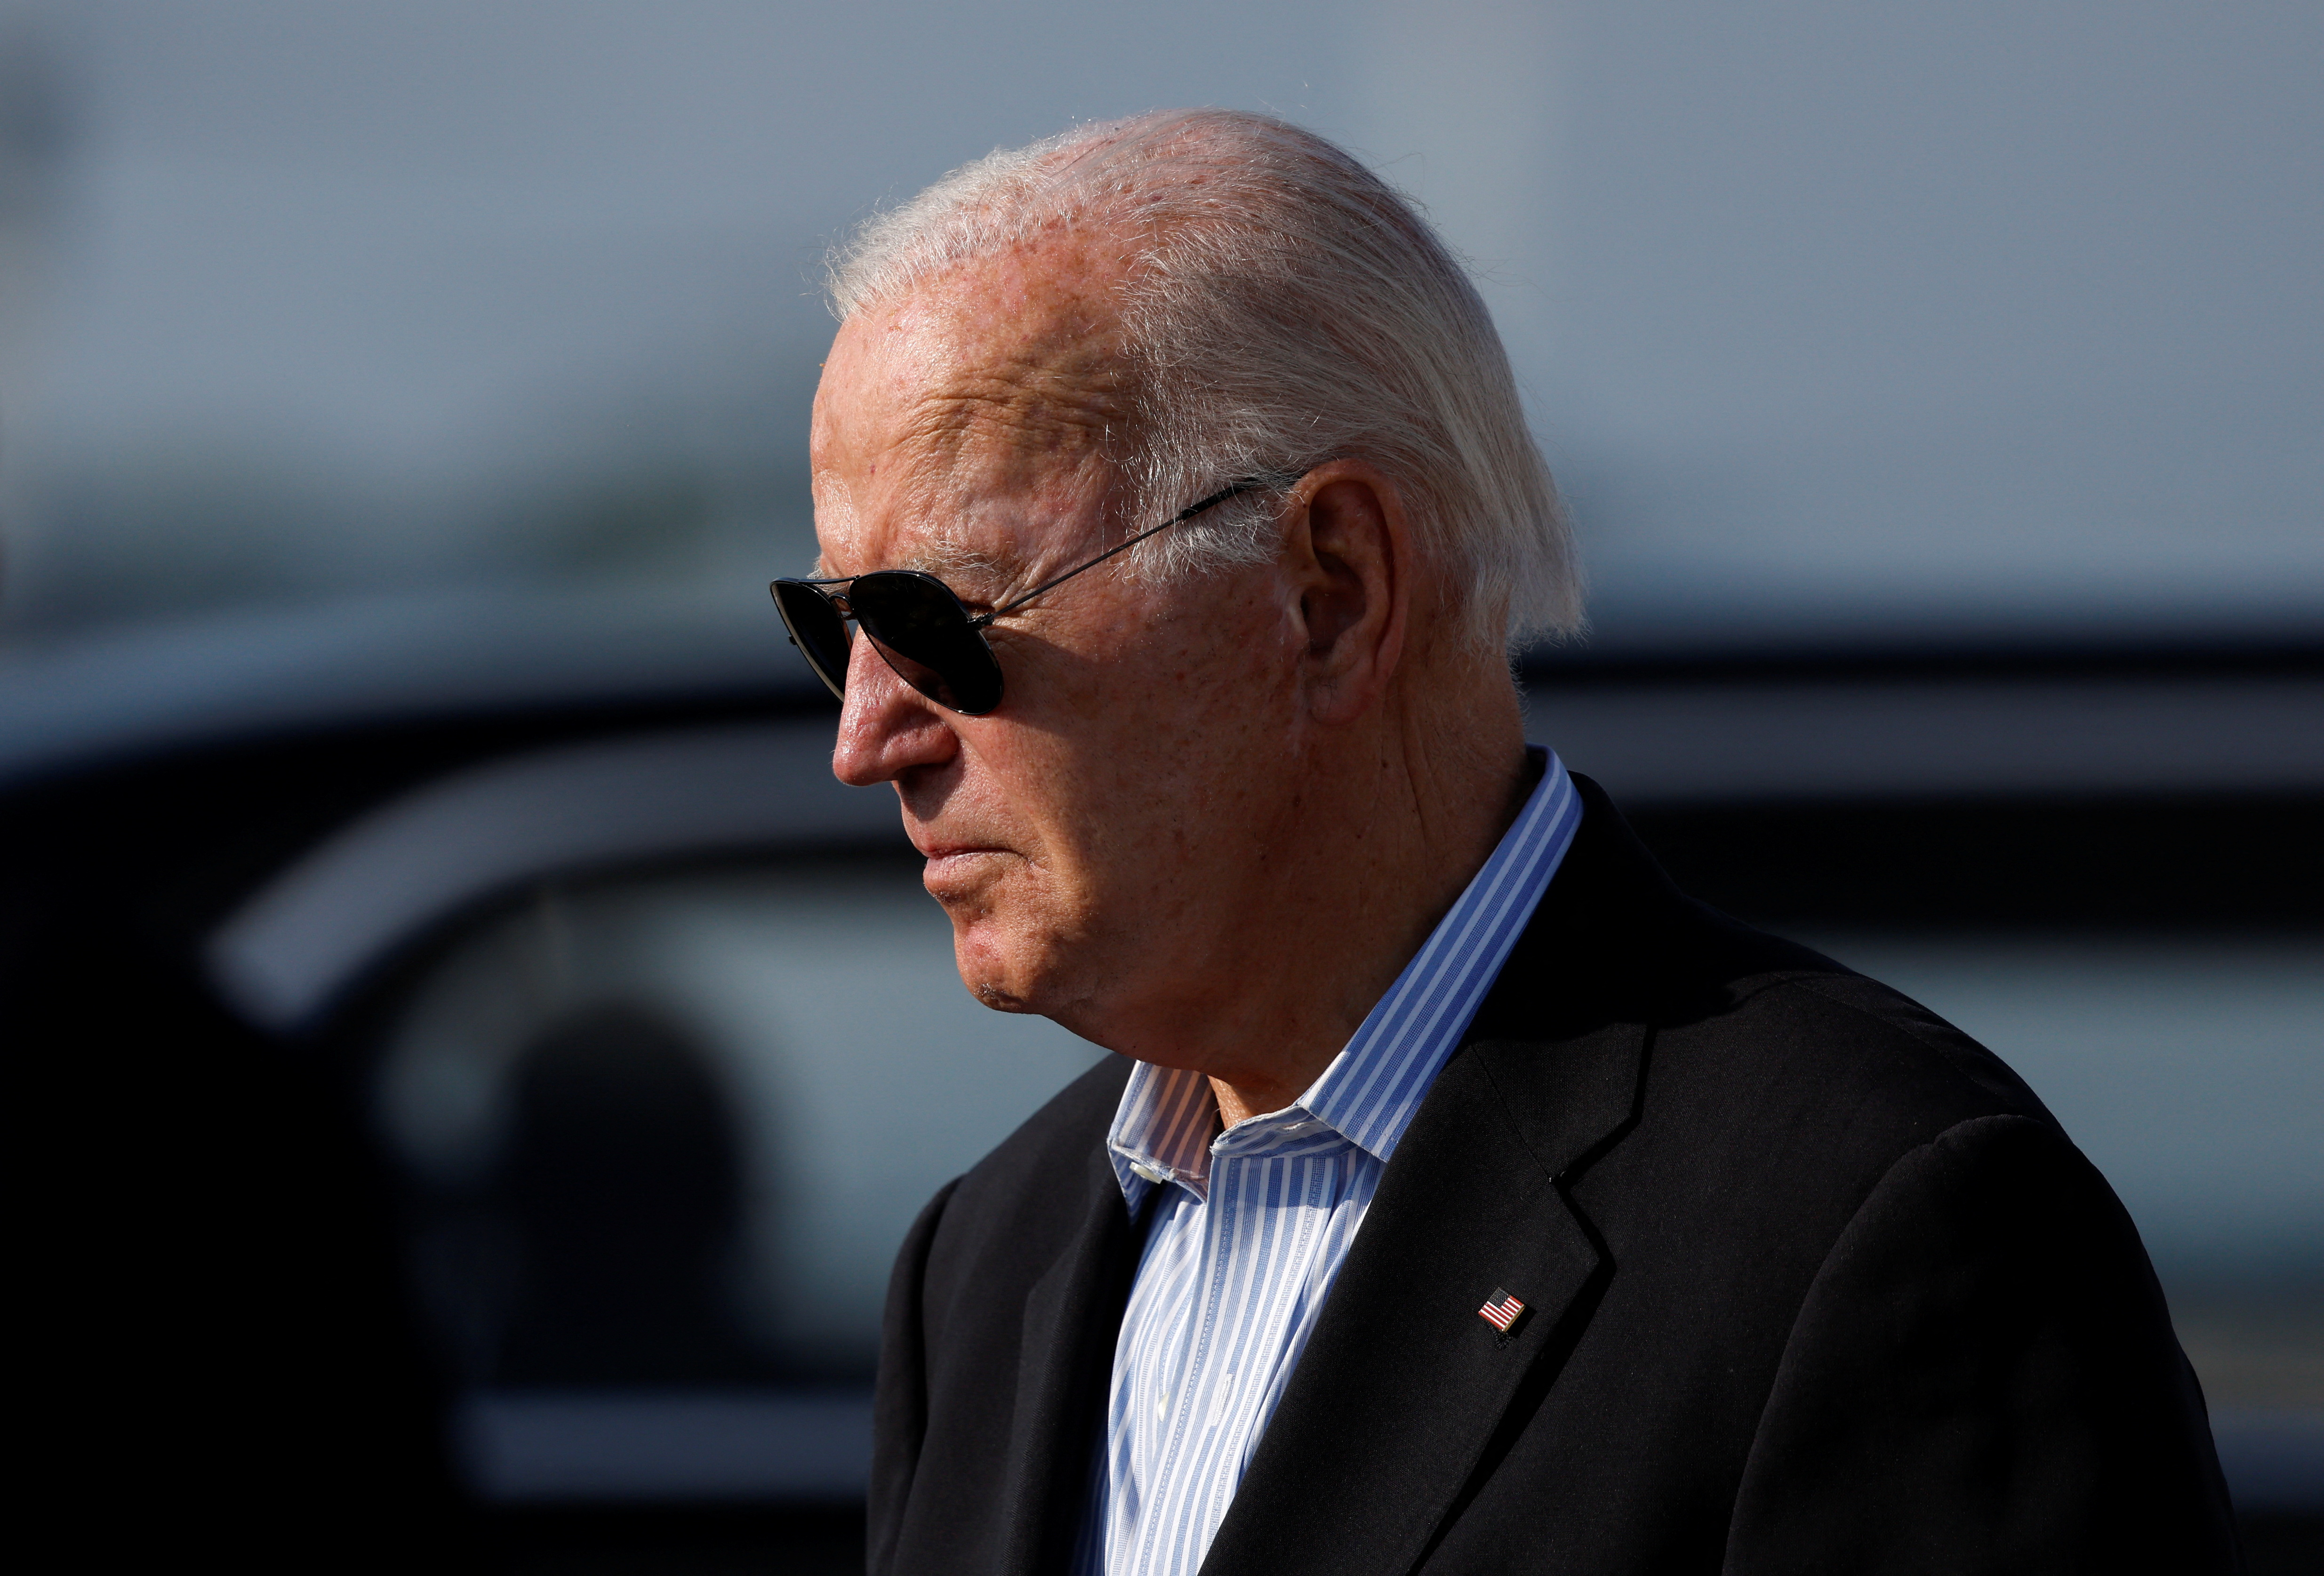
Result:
[
  {"x": 985, "y": 967},
  {"x": 1006, "y": 969}
]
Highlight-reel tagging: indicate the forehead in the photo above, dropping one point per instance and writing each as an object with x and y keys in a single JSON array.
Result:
[{"x": 997, "y": 390}]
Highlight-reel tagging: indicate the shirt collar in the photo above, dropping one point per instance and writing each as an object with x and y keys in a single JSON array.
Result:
[{"x": 1167, "y": 1123}]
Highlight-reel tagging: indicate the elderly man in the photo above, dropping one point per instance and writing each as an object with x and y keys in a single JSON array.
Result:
[{"x": 1462, "y": 1197}]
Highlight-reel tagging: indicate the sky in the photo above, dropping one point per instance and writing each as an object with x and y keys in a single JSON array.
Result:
[{"x": 1828, "y": 316}]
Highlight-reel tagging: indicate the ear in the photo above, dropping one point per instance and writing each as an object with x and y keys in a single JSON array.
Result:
[{"x": 1347, "y": 555}]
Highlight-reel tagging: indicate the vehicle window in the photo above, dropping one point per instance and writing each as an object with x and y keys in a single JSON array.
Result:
[{"x": 664, "y": 1133}]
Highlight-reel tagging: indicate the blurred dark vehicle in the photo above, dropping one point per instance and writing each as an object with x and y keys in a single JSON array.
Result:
[{"x": 477, "y": 1062}]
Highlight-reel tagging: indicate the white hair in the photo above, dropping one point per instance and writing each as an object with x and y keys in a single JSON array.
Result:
[{"x": 1282, "y": 306}]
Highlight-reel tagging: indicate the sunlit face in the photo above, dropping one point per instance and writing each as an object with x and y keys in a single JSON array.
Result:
[{"x": 1090, "y": 839}]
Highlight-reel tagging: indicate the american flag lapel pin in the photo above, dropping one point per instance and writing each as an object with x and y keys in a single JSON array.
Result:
[{"x": 1504, "y": 1311}]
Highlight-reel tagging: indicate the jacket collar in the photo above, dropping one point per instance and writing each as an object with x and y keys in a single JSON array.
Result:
[{"x": 1396, "y": 1403}]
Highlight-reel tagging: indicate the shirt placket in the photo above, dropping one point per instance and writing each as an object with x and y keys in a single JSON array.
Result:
[{"x": 1230, "y": 1203}]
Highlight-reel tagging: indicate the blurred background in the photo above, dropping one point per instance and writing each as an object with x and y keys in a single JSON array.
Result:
[{"x": 466, "y": 1018}]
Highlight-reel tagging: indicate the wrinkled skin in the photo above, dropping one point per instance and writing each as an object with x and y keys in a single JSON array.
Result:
[{"x": 1212, "y": 818}]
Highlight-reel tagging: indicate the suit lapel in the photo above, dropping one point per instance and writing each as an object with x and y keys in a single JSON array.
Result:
[
  {"x": 1396, "y": 1399},
  {"x": 1395, "y": 1405},
  {"x": 1073, "y": 1318}
]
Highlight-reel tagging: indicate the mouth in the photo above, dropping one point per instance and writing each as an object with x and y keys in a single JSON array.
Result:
[{"x": 949, "y": 861}]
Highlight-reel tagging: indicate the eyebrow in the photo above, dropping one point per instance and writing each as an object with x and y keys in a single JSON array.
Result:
[{"x": 946, "y": 559}]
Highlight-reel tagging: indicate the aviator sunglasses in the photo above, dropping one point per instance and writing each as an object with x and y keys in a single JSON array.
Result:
[{"x": 915, "y": 621}]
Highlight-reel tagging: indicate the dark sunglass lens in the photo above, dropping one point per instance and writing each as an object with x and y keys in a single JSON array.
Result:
[
  {"x": 817, "y": 629},
  {"x": 922, "y": 631}
]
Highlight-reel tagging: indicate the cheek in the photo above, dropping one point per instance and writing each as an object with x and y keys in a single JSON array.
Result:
[
  {"x": 1180, "y": 784},
  {"x": 1132, "y": 765},
  {"x": 1223, "y": 708}
]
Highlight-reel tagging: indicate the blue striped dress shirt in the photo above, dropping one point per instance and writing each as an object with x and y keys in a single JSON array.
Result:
[{"x": 1254, "y": 1222}]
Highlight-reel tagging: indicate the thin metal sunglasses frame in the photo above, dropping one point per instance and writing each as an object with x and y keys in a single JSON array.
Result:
[{"x": 979, "y": 622}]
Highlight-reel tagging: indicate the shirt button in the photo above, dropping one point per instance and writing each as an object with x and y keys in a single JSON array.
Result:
[{"x": 1153, "y": 1173}]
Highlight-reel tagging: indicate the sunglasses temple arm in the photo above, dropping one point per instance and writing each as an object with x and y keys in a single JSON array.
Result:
[{"x": 1184, "y": 515}]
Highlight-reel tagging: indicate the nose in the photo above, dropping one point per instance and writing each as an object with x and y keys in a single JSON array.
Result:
[{"x": 886, "y": 727}]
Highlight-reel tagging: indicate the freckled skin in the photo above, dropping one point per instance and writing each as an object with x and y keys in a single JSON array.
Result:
[{"x": 1210, "y": 820}]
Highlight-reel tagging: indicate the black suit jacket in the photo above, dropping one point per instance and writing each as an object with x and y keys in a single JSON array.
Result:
[{"x": 1816, "y": 1285}]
